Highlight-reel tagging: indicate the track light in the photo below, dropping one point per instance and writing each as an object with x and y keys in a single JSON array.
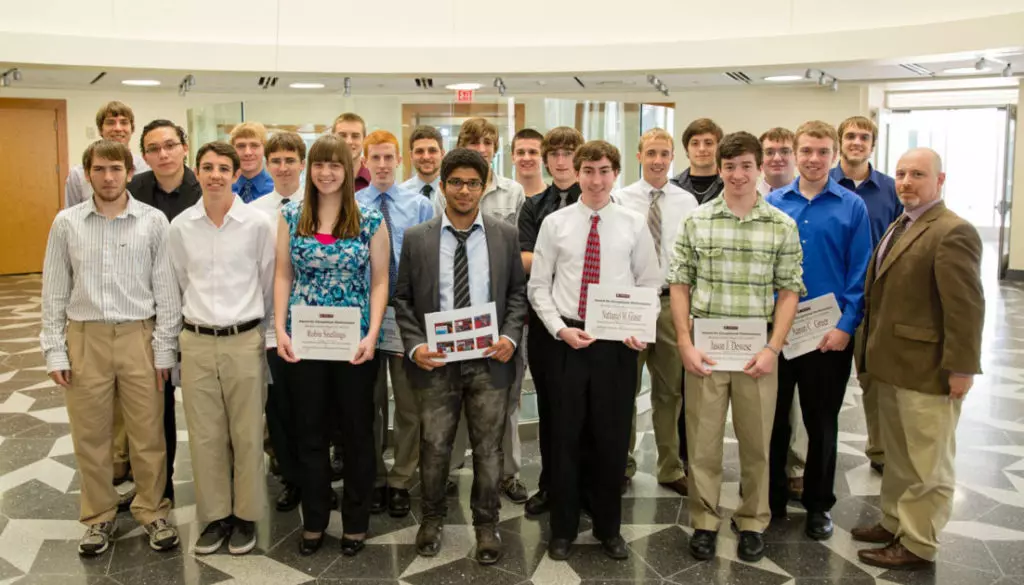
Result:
[
  {"x": 835, "y": 84},
  {"x": 981, "y": 65},
  {"x": 189, "y": 81},
  {"x": 500, "y": 84},
  {"x": 12, "y": 74},
  {"x": 1008, "y": 70},
  {"x": 657, "y": 84},
  {"x": 4, "y": 82},
  {"x": 16, "y": 74},
  {"x": 809, "y": 74},
  {"x": 348, "y": 86}
]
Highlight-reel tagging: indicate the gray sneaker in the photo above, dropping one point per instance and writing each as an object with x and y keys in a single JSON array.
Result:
[
  {"x": 243, "y": 538},
  {"x": 97, "y": 539},
  {"x": 213, "y": 537},
  {"x": 162, "y": 536}
]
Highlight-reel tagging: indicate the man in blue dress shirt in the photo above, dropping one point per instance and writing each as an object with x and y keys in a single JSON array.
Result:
[
  {"x": 427, "y": 149},
  {"x": 835, "y": 234},
  {"x": 249, "y": 138},
  {"x": 401, "y": 210},
  {"x": 878, "y": 190}
]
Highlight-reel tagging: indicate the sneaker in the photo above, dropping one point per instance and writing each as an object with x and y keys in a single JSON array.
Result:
[
  {"x": 515, "y": 490},
  {"x": 213, "y": 537},
  {"x": 162, "y": 536},
  {"x": 97, "y": 539},
  {"x": 243, "y": 538}
]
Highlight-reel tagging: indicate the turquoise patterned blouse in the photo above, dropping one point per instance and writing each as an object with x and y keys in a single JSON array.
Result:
[{"x": 332, "y": 275}]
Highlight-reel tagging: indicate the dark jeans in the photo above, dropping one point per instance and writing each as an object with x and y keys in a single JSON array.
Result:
[
  {"x": 462, "y": 385},
  {"x": 317, "y": 390},
  {"x": 539, "y": 347},
  {"x": 281, "y": 420},
  {"x": 822, "y": 378},
  {"x": 170, "y": 437},
  {"x": 682, "y": 428},
  {"x": 592, "y": 406}
]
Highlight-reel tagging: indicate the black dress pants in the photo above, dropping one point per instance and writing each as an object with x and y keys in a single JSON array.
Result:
[
  {"x": 539, "y": 349},
  {"x": 281, "y": 420},
  {"x": 170, "y": 437}
]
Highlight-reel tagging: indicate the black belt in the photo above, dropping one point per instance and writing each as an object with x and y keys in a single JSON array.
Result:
[
  {"x": 667, "y": 291},
  {"x": 574, "y": 323},
  {"x": 223, "y": 331}
]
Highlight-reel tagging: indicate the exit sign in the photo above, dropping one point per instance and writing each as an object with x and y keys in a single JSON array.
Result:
[{"x": 464, "y": 95}]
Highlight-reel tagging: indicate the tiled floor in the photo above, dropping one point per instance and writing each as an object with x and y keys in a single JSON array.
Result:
[{"x": 984, "y": 542}]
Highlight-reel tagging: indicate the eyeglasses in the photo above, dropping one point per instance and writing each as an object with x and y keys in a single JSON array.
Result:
[
  {"x": 783, "y": 152},
  {"x": 473, "y": 185},
  {"x": 156, "y": 148}
]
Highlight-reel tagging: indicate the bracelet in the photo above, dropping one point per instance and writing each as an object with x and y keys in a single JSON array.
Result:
[{"x": 769, "y": 347}]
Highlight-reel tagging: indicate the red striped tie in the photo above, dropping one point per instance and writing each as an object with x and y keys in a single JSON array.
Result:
[{"x": 591, "y": 264}]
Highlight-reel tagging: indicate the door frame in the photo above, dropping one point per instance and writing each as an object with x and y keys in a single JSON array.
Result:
[{"x": 61, "y": 109}]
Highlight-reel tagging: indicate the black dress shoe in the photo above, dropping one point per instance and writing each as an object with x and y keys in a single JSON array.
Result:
[
  {"x": 288, "y": 499},
  {"x": 819, "y": 525},
  {"x": 337, "y": 468},
  {"x": 488, "y": 545},
  {"x": 615, "y": 548},
  {"x": 350, "y": 547},
  {"x": 398, "y": 503},
  {"x": 751, "y": 547},
  {"x": 379, "y": 501},
  {"x": 451, "y": 487},
  {"x": 428, "y": 538},
  {"x": 878, "y": 467},
  {"x": 308, "y": 546},
  {"x": 538, "y": 503},
  {"x": 703, "y": 544},
  {"x": 559, "y": 549}
]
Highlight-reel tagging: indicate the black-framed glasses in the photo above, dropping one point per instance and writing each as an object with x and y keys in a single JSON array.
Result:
[
  {"x": 473, "y": 185},
  {"x": 156, "y": 148}
]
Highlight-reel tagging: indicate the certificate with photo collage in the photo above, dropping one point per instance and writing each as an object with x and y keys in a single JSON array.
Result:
[{"x": 462, "y": 334}]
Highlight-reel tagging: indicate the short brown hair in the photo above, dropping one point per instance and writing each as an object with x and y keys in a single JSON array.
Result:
[
  {"x": 285, "y": 141},
  {"x": 330, "y": 148},
  {"x": 527, "y": 134},
  {"x": 109, "y": 150},
  {"x": 817, "y": 129},
  {"x": 249, "y": 130},
  {"x": 475, "y": 130},
  {"x": 349, "y": 117},
  {"x": 701, "y": 126},
  {"x": 738, "y": 144},
  {"x": 220, "y": 148},
  {"x": 594, "y": 151},
  {"x": 426, "y": 133},
  {"x": 654, "y": 134},
  {"x": 859, "y": 122},
  {"x": 778, "y": 134},
  {"x": 112, "y": 110},
  {"x": 560, "y": 137}
]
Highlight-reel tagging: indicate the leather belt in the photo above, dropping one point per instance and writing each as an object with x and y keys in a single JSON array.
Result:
[{"x": 222, "y": 331}]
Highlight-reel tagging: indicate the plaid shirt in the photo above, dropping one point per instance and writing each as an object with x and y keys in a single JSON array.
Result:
[{"x": 733, "y": 265}]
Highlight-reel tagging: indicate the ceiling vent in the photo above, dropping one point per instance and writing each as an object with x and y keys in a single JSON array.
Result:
[
  {"x": 267, "y": 81},
  {"x": 917, "y": 69},
  {"x": 738, "y": 76},
  {"x": 425, "y": 83}
]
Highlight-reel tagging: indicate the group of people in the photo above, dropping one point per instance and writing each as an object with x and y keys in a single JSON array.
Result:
[{"x": 167, "y": 277}]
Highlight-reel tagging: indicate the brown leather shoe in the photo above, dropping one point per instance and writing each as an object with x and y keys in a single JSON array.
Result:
[
  {"x": 875, "y": 534},
  {"x": 796, "y": 488},
  {"x": 488, "y": 545},
  {"x": 678, "y": 486},
  {"x": 428, "y": 538},
  {"x": 894, "y": 556}
]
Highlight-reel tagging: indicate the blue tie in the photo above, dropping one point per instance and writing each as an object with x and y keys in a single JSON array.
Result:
[
  {"x": 392, "y": 263},
  {"x": 248, "y": 191}
]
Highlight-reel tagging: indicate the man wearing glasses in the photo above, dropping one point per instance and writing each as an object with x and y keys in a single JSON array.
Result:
[{"x": 172, "y": 188}]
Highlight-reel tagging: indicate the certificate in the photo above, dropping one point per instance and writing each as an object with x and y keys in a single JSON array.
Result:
[
  {"x": 462, "y": 334},
  {"x": 392, "y": 342},
  {"x": 325, "y": 333},
  {"x": 617, "y": 313},
  {"x": 730, "y": 342},
  {"x": 814, "y": 318}
]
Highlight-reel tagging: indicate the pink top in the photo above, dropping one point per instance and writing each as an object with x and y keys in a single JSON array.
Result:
[{"x": 326, "y": 239}]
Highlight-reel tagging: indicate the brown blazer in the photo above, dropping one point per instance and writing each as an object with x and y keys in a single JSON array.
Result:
[{"x": 924, "y": 308}]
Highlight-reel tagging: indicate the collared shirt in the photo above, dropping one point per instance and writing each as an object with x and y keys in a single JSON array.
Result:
[
  {"x": 683, "y": 180},
  {"x": 734, "y": 265},
  {"x": 271, "y": 204},
  {"x": 675, "y": 204},
  {"x": 111, "y": 271},
  {"x": 226, "y": 273},
  {"x": 363, "y": 178},
  {"x": 146, "y": 189},
  {"x": 879, "y": 194},
  {"x": 539, "y": 207},
  {"x": 763, "y": 188},
  {"x": 415, "y": 184},
  {"x": 252, "y": 189},
  {"x": 912, "y": 216},
  {"x": 503, "y": 199},
  {"x": 405, "y": 208},
  {"x": 835, "y": 233},
  {"x": 479, "y": 264},
  {"x": 628, "y": 258},
  {"x": 77, "y": 187}
]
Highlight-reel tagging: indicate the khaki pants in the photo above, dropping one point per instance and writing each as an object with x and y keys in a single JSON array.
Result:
[
  {"x": 874, "y": 448},
  {"x": 919, "y": 431},
  {"x": 120, "y": 445},
  {"x": 224, "y": 390},
  {"x": 798, "y": 441},
  {"x": 406, "y": 421},
  {"x": 666, "y": 369},
  {"x": 106, "y": 361},
  {"x": 753, "y": 414}
]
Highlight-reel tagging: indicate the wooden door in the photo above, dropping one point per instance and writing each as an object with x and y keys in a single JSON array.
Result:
[{"x": 33, "y": 166}]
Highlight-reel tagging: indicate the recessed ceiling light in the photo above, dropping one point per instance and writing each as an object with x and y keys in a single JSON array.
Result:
[
  {"x": 784, "y": 78},
  {"x": 458, "y": 86},
  {"x": 965, "y": 70},
  {"x": 141, "y": 82},
  {"x": 304, "y": 85}
]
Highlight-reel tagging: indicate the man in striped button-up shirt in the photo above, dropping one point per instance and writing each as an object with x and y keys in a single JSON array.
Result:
[{"x": 111, "y": 315}]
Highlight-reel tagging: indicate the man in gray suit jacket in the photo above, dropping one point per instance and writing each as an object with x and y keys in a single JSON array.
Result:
[{"x": 461, "y": 259}]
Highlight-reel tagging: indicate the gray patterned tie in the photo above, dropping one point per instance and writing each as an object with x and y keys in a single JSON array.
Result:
[
  {"x": 461, "y": 268},
  {"x": 654, "y": 220}
]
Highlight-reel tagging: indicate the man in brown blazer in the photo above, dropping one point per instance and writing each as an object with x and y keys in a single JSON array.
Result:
[{"x": 919, "y": 347}]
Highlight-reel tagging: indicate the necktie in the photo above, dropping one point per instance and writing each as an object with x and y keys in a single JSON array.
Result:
[
  {"x": 654, "y": 220},
  {"x": 427, "y": 190},
  {"x": 392, "y": 264},
  {"x": 564, "y": 197},
  {"x": 899, "y": 230},
  {"x": 247, "y": 191},
  {"x": 460, "y": 267},
  {"x": 591, "y": 264}
]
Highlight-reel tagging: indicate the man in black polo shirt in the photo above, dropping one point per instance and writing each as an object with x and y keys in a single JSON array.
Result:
[
  {"x": 557, "y": 151},
  {"x": 170, "y": 187},
  {"x": 700, "y": 139}
]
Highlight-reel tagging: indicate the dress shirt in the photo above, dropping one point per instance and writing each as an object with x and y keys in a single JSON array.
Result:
[
  {"x": 146, "y": 189},
  {"x": 503, "y": 199},
  {"x": 683, "y": 180},
  {"x": 912, "y": 216},
  {"x": 415, "y": 184},
  {"x": 262, "y": 184},
  {"x": 628, "y": 258},
  {"x": 675, "y": 205},
  {"x": 77, "y": 188},
  {"x": 110, "y": 271},
  {"x": 405, "y": 208},
  {"x": 479, "y": 265},
  {"x": 537, "y": 208},
  {"x": 226, "y": 273},
  {"x": 835, "y": 233},
  {"x": 879, "y": 194},
  {"x": 271, "y": 204}
]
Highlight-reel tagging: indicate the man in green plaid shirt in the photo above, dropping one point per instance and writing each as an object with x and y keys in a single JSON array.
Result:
[{"x": 731, "y": 257}]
